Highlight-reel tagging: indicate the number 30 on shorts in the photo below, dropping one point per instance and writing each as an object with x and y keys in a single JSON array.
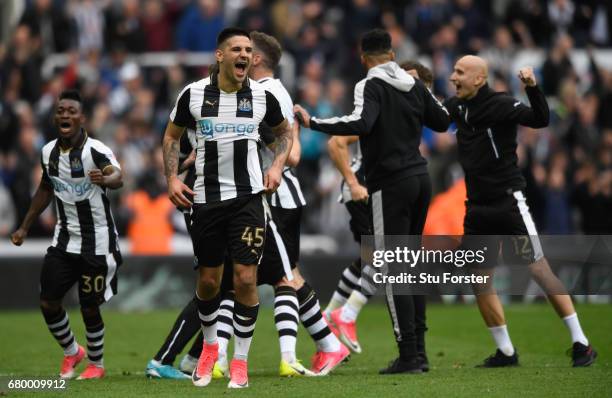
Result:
[
  {"x": 253, "y": 236},
  {"x": 90, "y": 284}
]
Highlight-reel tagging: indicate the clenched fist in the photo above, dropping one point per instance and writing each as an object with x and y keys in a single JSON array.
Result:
[{"x": 527, "y": 76}]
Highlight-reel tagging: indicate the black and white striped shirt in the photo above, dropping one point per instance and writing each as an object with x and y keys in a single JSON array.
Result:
[
  {"x": 289, "y": 193},
  {"x": 227, "y": 136},
  {"x": 85, "y": 224},
  {"x": 357, "y": 168}
]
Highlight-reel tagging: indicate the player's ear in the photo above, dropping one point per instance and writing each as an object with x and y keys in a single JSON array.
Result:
[
  {"x": 219, "y": 55},
  {"x": 256, "y": 59}
]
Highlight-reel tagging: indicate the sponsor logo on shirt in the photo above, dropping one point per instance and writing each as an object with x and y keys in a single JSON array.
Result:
[
  {"x": 78, "y": 189},
  {"x": 209, "y": 129}
]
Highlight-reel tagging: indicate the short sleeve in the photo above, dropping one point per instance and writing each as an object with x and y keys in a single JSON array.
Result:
[
  {"x": 181, "y": 115},
  {"x": 45, "y": 175},
  {"x": 185, "y": 146},
  {"x": 266, "y": 133},
  {"x": 103, "y": 157},
  {"x": 274, "y": 115}
]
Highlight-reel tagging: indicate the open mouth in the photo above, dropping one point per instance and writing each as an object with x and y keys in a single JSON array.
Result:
[
  {"x": 65, "y": 125},
  {"x": 241, "y": 67}
]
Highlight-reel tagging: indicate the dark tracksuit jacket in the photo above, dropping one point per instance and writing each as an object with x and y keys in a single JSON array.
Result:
[
  {"x": 486, "y": 137},
  {"x": 391, "y": 108}
]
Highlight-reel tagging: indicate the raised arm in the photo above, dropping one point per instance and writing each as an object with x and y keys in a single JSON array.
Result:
[
  {"x": 436, "y": 116},
  {"x": 109, "y": 177},
  {"x": 536, "y": 116},
  {"x": 360, "y": 122}
]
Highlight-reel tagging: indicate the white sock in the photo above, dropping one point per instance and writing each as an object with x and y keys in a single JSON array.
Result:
[
  {"x": 350, "y": 310},
  {"x": 573, "y": 324},
  {"x": 289, "y": 356},
  {"x": 225, "y": 327},
  {"x": 223, "y": 343},
  {"x": 502, "y": 339},
  {"x": 337, "y": 301},
  {"x": 286, "y": 321},
  {"x": 72, "y": 349},
  {"x": 329, "y": 343}
]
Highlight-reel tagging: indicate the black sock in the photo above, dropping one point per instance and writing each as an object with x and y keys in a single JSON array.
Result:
[
  {"x": 312, "y": 319},
  {"x": 186, "y": 325},
  {"x": 244, "y": 326},
  {"x": 208, "y": 311},
  {"x": 59, "y": 326},
  {"x": 94, "y": 330}
]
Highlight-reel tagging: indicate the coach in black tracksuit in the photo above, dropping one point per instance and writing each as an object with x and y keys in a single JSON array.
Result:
[
  {"x": 486, "y": 136},
  {"x": 390, "y": 110}
]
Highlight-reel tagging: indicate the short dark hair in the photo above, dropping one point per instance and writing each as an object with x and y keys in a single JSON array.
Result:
[
  {"x": 71, "y": 95},
  {"x": 269, "y": 47},
  {"x": 230, "y": 32},
  {"x": 376, "y": 41},
  {"x": 425, "y": 74}
]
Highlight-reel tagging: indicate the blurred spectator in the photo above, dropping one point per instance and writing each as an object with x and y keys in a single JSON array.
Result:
[
  {"x": 121, "y": 98},
  {"x": 124, "y": 26},
  {"x": 8, "y": 216},
  {"x": 199, "y": 26},
  {"x": 9, "y": 127},
  {"x": 89, "y": 18},
  {"x": 561, "y": 15},
  {"x": 50, "y": 23},
  {"x": 558, "y": 211},
  {"x": 156, "y": 26},
  {"x": 471, "y": 24},
  {"x": 149, "y": 227},
  {"x": 255, "y": 16},
  {"x": 501, "y": 54},
  {"x": 424, "y": 18},
  {"x": 557, "y": 65},
  {"x": 21, "y": 69},
  {"x": 529, "y": 22},
  {"x": 402, "y": 45}
]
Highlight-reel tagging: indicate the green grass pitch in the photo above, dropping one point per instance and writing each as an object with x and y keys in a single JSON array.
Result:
[{"x": 457, "y": 340}]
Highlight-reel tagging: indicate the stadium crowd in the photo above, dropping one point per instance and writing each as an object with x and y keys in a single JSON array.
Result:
[{"x": 568, "y": 165}]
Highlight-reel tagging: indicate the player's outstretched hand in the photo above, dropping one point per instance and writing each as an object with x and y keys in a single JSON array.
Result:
[
  {"x": 96, "y": 177},
  {"x": 176, "y": 193},
  {"x": 302, "y": 115},
  {"x": 18, "y": 236},
  {"x": 272, "y": 179},
  {"x": 527, "y": 76}
]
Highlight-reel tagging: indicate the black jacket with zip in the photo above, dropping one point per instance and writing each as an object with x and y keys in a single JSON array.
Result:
[
  {"x": 390, "y": 111},
  {"x": 486, "y": 137}
]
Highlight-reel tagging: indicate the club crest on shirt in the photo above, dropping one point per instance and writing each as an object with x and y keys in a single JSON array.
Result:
[
  {"x": 76, "y": 165},
  {"x": 245, "y": 105}
]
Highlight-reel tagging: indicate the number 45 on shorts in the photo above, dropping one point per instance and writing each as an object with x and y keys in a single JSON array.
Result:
[{"x": 253, "y": 237}]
